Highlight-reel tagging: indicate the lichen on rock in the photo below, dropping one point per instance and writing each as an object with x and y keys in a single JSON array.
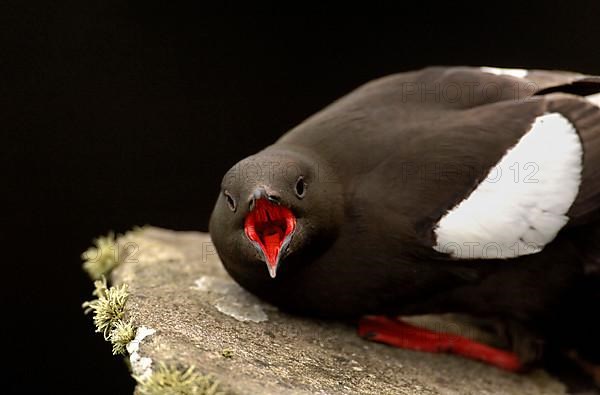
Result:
[
  {"x": 173, "y": 381},
  {"x": 100, "y": 259},
  {"x": 186, "y": 311},
  {"x": 108, "y": 310},
  {"x": 109, "y": 306},
  {"x": 122, "y": 334},
  {"x": 232, "y": 299},
  {"x": 141, "y": 367}
]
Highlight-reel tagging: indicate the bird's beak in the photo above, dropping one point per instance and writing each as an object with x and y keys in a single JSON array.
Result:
[{"x": 269, "y": 226}]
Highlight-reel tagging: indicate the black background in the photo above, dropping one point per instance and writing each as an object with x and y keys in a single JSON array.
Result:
[{"x": 126, "y": 113}]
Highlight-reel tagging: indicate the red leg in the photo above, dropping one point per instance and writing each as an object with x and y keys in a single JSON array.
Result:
[{"x": 400, "y": 334}]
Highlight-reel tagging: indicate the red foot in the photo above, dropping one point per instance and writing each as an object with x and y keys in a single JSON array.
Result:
[{"x": 400, "y": 334}]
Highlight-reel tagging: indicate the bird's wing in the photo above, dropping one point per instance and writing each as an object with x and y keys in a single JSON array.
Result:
[
  {"x": 422, "y": 152},
  {"x": 539, "y": 162}
]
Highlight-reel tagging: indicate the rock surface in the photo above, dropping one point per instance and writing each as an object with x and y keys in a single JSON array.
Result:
[{"x": 190, "y": 313}]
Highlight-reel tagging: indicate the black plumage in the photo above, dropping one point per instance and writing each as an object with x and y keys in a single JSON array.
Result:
[{"x": 381, "y": 166}]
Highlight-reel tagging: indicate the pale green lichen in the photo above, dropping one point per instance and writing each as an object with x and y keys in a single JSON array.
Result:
[
  {"x": 108, "y": 308},
  {"x": 121, "y": 335},
  {"x": 172, "y": 381},
  {"x": 102, "y": 258}
]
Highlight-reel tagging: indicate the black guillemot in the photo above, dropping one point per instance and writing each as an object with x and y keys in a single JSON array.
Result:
[{"x": 471, "y": 190}]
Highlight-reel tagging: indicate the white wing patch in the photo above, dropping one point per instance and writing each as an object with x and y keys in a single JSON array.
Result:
[
  {"x": 595, "y": 99},
  {"x": 522, "y": 204},
  {"x": 519, "y": 73}
]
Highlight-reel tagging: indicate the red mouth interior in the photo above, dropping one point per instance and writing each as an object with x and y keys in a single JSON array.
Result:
[{"x": 268, "y": 224}]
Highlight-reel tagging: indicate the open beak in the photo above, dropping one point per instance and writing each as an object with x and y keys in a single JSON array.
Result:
[{"x": 269, "y": 226}]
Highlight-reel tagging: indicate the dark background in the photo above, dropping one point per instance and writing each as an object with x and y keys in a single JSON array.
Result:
[{"x": 128, "y": 113}]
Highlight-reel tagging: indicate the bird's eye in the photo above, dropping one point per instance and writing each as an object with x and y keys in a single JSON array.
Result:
[
  {"x": 300, "y": 187},
  {"x": 230, "y": 200}
]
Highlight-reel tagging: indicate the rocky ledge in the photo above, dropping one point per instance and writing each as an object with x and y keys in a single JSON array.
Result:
[{"x": 180, "y": 311}]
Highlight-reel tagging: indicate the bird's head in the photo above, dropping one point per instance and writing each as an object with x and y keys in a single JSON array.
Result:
[{"x": 273, "y": 205}]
